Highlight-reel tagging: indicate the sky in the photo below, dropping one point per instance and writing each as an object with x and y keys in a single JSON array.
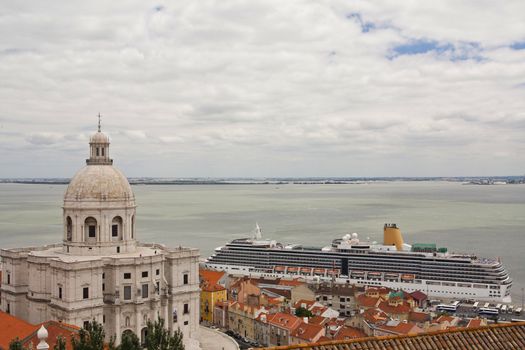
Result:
[{"x": 264, "y": 88}]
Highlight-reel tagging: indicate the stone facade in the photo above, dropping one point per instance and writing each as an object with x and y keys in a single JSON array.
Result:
[{"x": 101, "y": 271}]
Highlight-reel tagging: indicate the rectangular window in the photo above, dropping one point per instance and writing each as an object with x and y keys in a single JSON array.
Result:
[
  {"x": 97, "y": 152},
  {"x": 85, "y": 292},
  {"x": 103, "y": 318},
  {"x": 186, "y": 309},
  {"x": 8, "y": 278},
  {"x": 102, "y": 151},
  {"x": 92, "y": 231},
  {"x": 158, "y": 287},
  {"x": 114, "y": 230},
  {"x": 103, "y": 286},
  {"x": 157, "y": 272},
  {"x": 86, "y": 324},
  {"x": 185, "y": 278},
  {"x": 144, "y": 274},
  {"x": 59, "y": 292},
  {"x": 127, "y": 292},
  {"x": 127, "y": 275},
  {"x": 145, "y": 290}
]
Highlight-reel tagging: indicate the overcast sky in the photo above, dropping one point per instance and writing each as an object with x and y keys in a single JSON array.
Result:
[{"x": 264, "y": 88}]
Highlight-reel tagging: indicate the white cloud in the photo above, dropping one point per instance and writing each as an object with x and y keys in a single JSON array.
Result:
[{"x": 292, "y": 84}]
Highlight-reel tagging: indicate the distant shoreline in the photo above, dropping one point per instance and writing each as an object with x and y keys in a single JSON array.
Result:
[{"x": 495, "y": 180}]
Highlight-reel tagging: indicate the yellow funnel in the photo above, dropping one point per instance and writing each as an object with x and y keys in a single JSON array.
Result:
[{"x": 392, "y": 236}]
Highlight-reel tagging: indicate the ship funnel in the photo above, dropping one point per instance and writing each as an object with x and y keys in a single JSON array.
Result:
[{"x": 392, "y": 236}]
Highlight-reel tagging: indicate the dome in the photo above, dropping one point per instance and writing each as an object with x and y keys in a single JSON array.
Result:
[
  {"x": 99, "y": 182},
  {"x": 99, "y": 137}
]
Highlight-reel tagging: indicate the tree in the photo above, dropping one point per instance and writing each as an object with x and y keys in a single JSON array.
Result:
[
  {"x": 159, "y": 338},
  {"x": 16, "y": 344},
  {"x": 60, "y": 344},
  {"x": 302, "y": 312},
  {"x": 130, "y": 341},
  {"x": 91, "y": 337}
]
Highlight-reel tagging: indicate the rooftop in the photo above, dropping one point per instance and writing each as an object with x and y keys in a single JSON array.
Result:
[{"x": 495, "y": 337}]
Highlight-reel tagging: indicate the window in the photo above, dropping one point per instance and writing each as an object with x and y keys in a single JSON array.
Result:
[
  {"x": 157, "y": 272},
  {"x": 118, "y": 250},
  {"x": 127, "y": 275},
  {"x": 59, "y": 292},
  {"x": 8, "y": 308},
  {"x": 103, "y": 275},
  {"x": 97, "y": 152},
  {"x": 185, "y": 278},
  {"x": 114, "y": 230},
  {"x": 127, "y": 292},
  {"x": 92, "y": 231},
  {"x": 145, "y": 290},
  {"x": 85, "y": 292},
  {"x": 103, "y": 318},
  {"x": 144, "y": 274},
  {"x": 103, "y": 286},
  {"x": 157, "y": 289},
  {"x": 86, "y": 324},
  {"x": 186, "y": 309},
  {"x": 8, "y": 278},
  {"x": 103, "y": 149}
]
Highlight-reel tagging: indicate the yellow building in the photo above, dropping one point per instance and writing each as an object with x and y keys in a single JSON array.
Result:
[{"x": 210, "y": 295}]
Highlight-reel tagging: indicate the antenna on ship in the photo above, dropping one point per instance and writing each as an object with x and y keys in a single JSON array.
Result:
[{"x": 258, "y": 232}]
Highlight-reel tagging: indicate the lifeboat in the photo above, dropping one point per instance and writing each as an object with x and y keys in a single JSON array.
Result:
[
  {"x": 292, "y": 269},
  {"x": 408, "y": 277},
  {"x": 391, "y": 276},
  {"x": 280, "y": 268},
  {"x": 319, "y": 271},
  {"x": 306, "y": 270}
]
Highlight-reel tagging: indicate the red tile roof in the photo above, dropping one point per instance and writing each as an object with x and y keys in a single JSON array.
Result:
[
  {"x": 211, "y": 276},
  {"x": 12, "y": 327},
  {"x": 346, "y": 333},
  {"x": 495, "y": 337},
  {"x": 402, "y": 308},
  {"x": 307, "y": 331},
  {"x": 365, "y": 301},
  {"x": 419, "y": 317},
  {"x": 283, "y": 320},
  {"x": 401, "y": 328}
]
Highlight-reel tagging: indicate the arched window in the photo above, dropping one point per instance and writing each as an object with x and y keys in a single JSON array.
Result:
[
  {"x": 69, "y": 229},
  {"x": 127, "y": 322},
  {"x": 133, "y": 227},
  {"x": 116, "y": 228},
  {"x": 90, "y": 227}
]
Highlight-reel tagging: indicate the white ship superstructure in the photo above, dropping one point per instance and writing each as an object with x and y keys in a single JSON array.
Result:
[{"x": 392, "y": 264}]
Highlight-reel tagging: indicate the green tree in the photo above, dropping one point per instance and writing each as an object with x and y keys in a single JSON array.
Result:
[
  {"x": 60, "y": 344},
  {"x": 159, "y": 338},
  {"x": 16, "y": 344},
  {"x": 302, "y": 312},
  {"x": 130, "y": 341},
  {"x": 91, "y": 337}
]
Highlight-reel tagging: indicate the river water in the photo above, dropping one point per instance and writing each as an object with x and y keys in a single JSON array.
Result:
[{"x": 485, "y": 220}]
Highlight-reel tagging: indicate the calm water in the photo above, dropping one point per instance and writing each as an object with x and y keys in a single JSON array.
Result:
[{"x": 486, "y": 220}]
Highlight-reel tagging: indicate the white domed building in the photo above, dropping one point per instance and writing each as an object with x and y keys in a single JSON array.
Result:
[{"x": 100, "y": 271}]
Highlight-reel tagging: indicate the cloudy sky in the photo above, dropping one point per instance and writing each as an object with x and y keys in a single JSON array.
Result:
[{"x": 264, "y": 88}]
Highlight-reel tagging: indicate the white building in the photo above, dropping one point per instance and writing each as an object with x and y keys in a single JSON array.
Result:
[{"x": 100, "y": 271}]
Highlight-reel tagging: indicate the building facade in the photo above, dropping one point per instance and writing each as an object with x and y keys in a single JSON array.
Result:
[{"x": 100, "y": 271}]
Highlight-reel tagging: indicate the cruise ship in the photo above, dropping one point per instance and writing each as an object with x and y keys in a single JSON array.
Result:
[{"x": 393, "y": 264}]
